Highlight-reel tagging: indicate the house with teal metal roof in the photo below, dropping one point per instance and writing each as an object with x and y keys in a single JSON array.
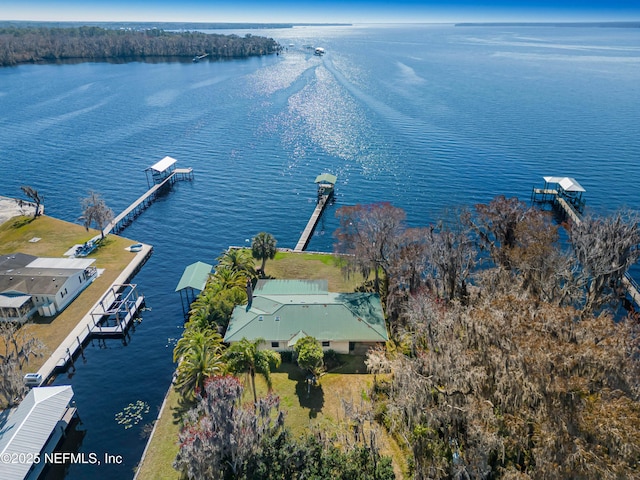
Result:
[{"x": 283, "y": 311}]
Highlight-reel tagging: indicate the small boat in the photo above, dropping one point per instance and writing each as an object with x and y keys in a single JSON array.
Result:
[
  {"x": 197, "y": 58},
  {"x": 136, "y": 247},
  {"x": 319, "y": 51}
]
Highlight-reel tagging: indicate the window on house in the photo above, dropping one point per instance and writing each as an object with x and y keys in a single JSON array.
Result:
[
  {"x": 277, "y": 319},
  {"x": 275, "y": 344},
  {"x": 260, "y": 318},
  {"x": 326, "y": 344}
]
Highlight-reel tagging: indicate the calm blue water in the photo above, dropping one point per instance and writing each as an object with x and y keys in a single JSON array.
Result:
[{"x": 426, "y": 117}]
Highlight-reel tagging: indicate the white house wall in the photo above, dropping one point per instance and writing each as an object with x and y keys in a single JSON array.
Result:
[{"x": 338, "y": 347}]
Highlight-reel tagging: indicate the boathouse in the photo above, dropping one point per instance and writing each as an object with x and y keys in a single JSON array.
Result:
[
  {"x": 46, "y": 285},
  {"x": 34, "y": 428},
  {"x": 193, "y": 281},
  {"x": 160, "y": 171},
  {"x": 283, "y": 311},
  {"x": 565, "y": 192}
]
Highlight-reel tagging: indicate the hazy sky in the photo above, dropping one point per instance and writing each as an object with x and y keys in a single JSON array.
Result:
[{"x": 349, "y": 11}]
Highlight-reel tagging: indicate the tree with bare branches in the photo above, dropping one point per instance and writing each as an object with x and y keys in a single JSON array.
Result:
[
  {"x": 605, "y": 247},
  {"x": 370, "y": 233},
  {"x": 95, "y": 212}
]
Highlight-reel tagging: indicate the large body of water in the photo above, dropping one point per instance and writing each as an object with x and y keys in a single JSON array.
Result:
[{"x": 426, "y": 117}]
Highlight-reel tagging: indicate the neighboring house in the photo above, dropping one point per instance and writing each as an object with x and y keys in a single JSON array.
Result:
[
  {"x": 283, "y": 311},
  {"x": 46, "y": 285},
  {"x": 32, "y": 430}
]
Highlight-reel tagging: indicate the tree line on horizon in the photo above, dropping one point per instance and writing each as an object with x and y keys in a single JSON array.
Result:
[{"x": 20, "y": 45}]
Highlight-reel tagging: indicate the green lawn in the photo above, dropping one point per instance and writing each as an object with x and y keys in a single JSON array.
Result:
[
  {"x": 164, "y": 448},
  {"x": 321, "y": 406},
  {"x": 313, "y": 266},
  {"x": 318, "y": 406},
  {"x": 56, "y": 237}
]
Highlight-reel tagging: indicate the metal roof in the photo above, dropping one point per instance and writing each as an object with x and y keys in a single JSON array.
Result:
[
  {"x": 163, "y": 164},
  {"x": 291, "y": 287},
  {"x": 353, "y": 317},
  {"x": 61, "y": 263},
  {"x": 10, "y": 301},
  {"x": 300, "y": 335},
  {"x": 22, "y": 273},
  {"x": 568, "y": 184},
  {"x": 195, "y": 276},
  {"x": 29, "y": 426},
  {"x": 326, "y": 178}
]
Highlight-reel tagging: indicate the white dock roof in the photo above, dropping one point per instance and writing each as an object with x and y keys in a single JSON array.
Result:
[
  {"x": 163, "y": 164},
  {"x": 568, "y": 184},
  {"x": 29, "y": 426}
]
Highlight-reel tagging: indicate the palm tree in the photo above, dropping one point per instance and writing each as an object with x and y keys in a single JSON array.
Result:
[
  {"x": 238, "y": 260},
  {"x": 199, "y": 353},
  {"x": 263, "y": 247},
  {"x": 245, "y": 356},
  {"x": 227, "y": 279}
]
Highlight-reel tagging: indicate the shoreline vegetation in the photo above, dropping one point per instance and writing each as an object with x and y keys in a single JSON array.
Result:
[{"x": 36, "y": 44}]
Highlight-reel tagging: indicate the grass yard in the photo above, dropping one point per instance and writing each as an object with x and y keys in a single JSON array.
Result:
[
  {"x": 320, "y": 406},
  {"x": 164, "y": 448},
  {"x": 312, "y": 266},
  {"x": 56, "y": 237}
]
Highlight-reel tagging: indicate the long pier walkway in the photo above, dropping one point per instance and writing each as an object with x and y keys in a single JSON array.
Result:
[
  {"x": 132, "y": 211},
  {"x": 326, "y": 183},
  {"x": 311, "y": 224},
  {"x": 567, "y": 187}
]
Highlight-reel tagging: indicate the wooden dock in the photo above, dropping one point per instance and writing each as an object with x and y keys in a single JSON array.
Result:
[
  {"x": 88, "y": 324},
  {"x": 311, "y": 224},
  {"x": 632, "y": 288},
  {"x": 326, "y": 184},
  {"x": 125, "y": 218},
  {"x": 562, "y": 199}
]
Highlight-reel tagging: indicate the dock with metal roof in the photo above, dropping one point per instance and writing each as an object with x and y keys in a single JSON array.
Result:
[
  {"x": 326, "y": 185},
  {"x": 193, "y": 281},
  {"x": 159, "y": 175},
  {"x": 566, "y": 194}
]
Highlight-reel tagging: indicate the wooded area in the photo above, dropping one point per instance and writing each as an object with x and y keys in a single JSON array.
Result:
[
  {"x": 37, "y": 44},
  {"x": 510, "y": 356}
]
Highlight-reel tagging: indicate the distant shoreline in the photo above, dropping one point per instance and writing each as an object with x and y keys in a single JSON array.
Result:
[
  {"x": 49, "y": 44},
  {"x": 552, "y": 24},
  {"x": 167, "y": 25}
]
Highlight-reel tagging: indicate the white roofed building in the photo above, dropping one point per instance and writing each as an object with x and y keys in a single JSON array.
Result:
[
  {"x": 34, "y": 429},
  {"x": 46, "y": 285}
]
